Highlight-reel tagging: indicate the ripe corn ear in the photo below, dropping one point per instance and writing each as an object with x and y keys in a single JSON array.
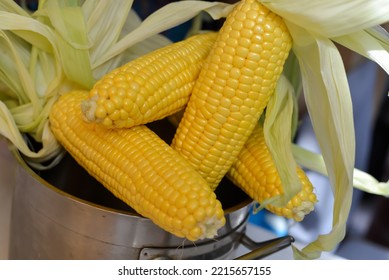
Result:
[
  {"x": 233, "y": 88},
  {"x": 150, "y": 87},
  {"x": 140, "y": 169},
  {"x": 255, "y": 173}
]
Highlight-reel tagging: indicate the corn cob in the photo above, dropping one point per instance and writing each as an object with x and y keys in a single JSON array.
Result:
[
  {"x": 234, "y": 86},
  {"x": 150, "y": 87},
  {"x": 255, "y": 173},
  {"x": 140, "y": 169}
]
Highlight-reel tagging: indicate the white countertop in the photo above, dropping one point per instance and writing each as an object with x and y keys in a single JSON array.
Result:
[{"x": 7, "y": 166}]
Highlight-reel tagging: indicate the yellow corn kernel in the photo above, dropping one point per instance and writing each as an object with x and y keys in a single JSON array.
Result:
[
  {"x": 150, "y": 87},
  {"x": 140, "y": 169},
  {"x": 234, "y": 86},
  {"x": 255, "y": 173}
]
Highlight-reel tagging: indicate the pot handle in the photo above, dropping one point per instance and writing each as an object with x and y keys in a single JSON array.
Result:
[{"x": 264, "y": 248}]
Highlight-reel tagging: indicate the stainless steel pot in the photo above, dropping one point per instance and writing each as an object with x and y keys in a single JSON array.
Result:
[{"x": 64, "y": 213}]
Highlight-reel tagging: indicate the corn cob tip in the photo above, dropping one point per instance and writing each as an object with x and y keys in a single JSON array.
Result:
[
  {"x": 88, "y": 108},
  {"x": 301, "y": 211},
  {"x": 211, "y": 226},
  {"x": 301, "y": 204},
  {"x": 208, "y": 221}
]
